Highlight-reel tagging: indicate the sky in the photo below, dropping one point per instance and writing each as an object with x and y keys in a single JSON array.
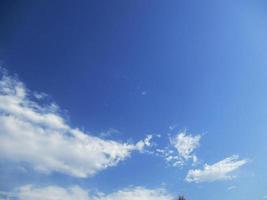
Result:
[{"x": 126, "y": 100}]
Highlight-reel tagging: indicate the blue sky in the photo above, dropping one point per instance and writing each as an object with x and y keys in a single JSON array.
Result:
[{"x": 133, "y": 99}]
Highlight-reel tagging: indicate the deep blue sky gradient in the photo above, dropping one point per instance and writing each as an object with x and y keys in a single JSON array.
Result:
[{"x": 202, "y": 65}]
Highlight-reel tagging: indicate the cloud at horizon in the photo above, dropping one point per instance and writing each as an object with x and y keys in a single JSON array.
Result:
[
  {"x": 31, "y": 192},
  {"x": 45, "y": 141}
]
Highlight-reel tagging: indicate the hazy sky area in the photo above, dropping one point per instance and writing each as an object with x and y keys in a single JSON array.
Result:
[{"x": 133, "y": 99}]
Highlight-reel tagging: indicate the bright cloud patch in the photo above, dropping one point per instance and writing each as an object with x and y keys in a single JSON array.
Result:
[
  {"x": 38, "y": 135},
  {"x": 30, "y": 192},
  {"x": 219, "y": 171},
  {"x": 181, "y": 149},
  {"x": 137, "y": 193},
  {"x": 186, "y": 144}
]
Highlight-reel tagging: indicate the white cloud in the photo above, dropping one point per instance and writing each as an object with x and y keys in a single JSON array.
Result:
[
  {"x": 137, "y": 193},
  {"x": 219, "y": 171},
  {"x": 143, "y": 143},
  {"x": 30, "y": 192},
  {"x": 186, "y": 144},
  {"x": 182, "y": 149},
  {"x": 170, "y": 156},
  {"x": 37, "y": 134}
]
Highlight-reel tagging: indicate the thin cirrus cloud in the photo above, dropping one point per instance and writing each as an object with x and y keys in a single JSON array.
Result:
[
  {"x": 182, "y": 148},
  {"x": 186, "y": 144},
  {"x": 221, "y": 170},
  {"x": 38, "y": 135},
  {"x": 30, "y": 192},
  {"x": 232, "y": 187}
]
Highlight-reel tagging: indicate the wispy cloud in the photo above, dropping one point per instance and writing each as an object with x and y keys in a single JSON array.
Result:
[
  {"x": 137, "y": 193},
  {"x": 180, "y": 150},
  {"x": 170, "y": 156},
  {"x": 232, "y": 187},
  {"x": 109, "y": 132},
  {"x": 30, "y": 192},
  {"x": 172, "y": 127},
  {"x": 38, "y": 135},
  {"x": 219, "y": 171},
  {"x": 185, "y": 144}
]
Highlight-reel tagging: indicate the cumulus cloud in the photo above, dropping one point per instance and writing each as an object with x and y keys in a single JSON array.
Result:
[
  {"x": 221, "y": 170},
  {"x": 37, "y": 134},
  {"x": 30, "y": 192}
]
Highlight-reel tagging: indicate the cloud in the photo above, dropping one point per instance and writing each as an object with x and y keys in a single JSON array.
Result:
[
  {"x": 231, "y": 187},
  {"x": 144, "y": 143},
  {"x": 109, "y": 132},
  {"x": 137, "y": 193},
  {"x": 30, "y": 192},
  {"x": 219, "y": 171},
  {"x": 181, "y": 149},
  {"x": 172, "y": 127},
  {"x": 36, "y": 133},
  {"x": 186, "y": 144},
  {"x": 170, "y": 156}
]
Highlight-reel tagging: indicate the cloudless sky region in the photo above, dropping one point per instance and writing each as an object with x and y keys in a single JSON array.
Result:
[{"x": 127, "y": 99}]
